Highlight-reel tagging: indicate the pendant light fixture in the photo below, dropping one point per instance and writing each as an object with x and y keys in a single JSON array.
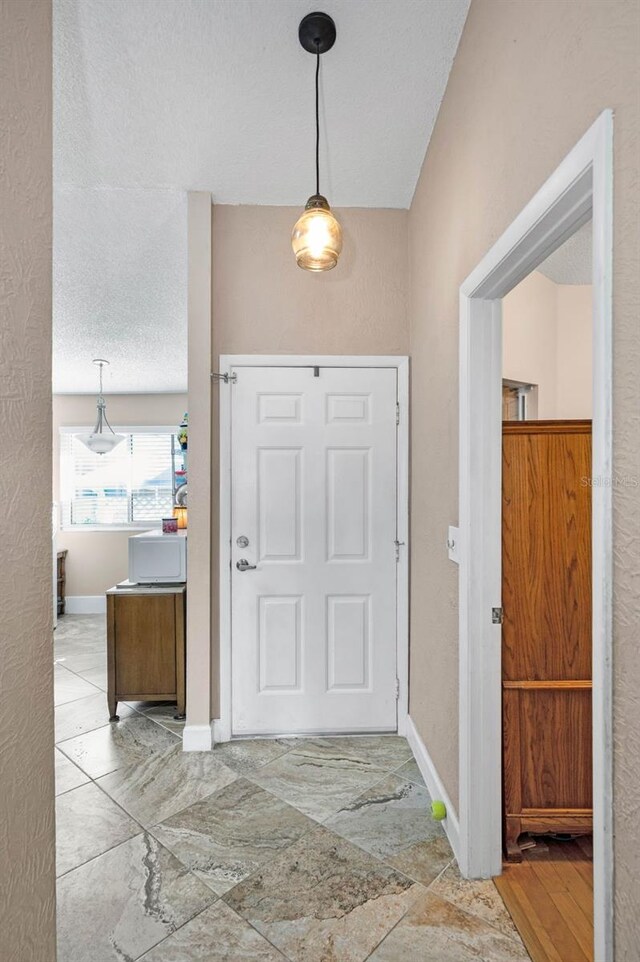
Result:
[
  {"x": 101, "y": 441},
  {"x": 317, "y": 236}
]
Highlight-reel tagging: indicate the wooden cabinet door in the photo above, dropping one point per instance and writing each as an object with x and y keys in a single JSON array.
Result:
[
  {"x": 145, "y": 650},
  {"x": 546, "y": 635}
]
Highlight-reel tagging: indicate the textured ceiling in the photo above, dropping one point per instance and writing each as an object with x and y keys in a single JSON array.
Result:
[
  {"x": 571, "y": 263},
  {"x": 218, "y": 95},
  {"x": 156, "y": 97},
  {"x": 120, "y": 290}
]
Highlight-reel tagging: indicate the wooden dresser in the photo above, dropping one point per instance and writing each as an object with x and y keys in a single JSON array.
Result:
[
  {"x": 546, "y": 633},
  {"x": 146, "y": 629}
]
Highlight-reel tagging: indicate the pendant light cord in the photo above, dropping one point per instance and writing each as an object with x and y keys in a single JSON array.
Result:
[{"x": 317, "y": 119}]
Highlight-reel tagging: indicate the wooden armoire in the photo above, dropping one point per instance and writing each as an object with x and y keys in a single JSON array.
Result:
[{"x": 546, "y": 632}]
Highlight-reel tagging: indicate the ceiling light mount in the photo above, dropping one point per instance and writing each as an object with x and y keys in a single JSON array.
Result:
[{"x": 317, "y": 32}]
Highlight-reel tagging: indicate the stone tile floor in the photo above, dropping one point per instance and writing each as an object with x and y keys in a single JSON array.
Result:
[{"x": 306, "y": 850}]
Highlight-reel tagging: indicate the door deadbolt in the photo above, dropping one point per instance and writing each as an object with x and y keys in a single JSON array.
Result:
[{"x": 242, "y": 541}]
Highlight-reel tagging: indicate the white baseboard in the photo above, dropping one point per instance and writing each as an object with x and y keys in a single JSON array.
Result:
[
  {"x": 85, "y": 605},
  {"x": 197, "y": 738},
  {"x": 434, "y": 784},
  {"x": 221, "y": 731}
]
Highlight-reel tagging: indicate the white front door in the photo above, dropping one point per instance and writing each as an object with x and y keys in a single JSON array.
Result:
[{"x": 313, "y": 494}]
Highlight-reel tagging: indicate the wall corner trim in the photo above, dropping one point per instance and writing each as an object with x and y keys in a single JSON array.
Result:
[
  {"x": 434, "y": 783},
  {"x": 199, "y": 406},
  {"x": 197, "y": 738}
]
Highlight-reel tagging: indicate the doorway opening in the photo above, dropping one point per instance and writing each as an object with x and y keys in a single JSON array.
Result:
[
  {"x": 578, "y": 191},
  {"x": 314, "y": 546},
  {"x": 546, "y": 605}
]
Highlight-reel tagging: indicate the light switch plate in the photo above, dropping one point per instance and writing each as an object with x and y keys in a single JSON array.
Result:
[{"x": 452, "y": 544}]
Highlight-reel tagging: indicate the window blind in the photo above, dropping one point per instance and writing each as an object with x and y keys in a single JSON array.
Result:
[{"x": 132, "y": 485}]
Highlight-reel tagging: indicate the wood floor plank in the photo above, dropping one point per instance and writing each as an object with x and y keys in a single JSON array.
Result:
[
  {"x": 550, "y": 898},
  {"x": 557, "y": 875},
  {"x": 577, "y": 921},
  {"x": 550, "y": 918},
  {"x": 572, "y": 852},
  {"x": 524, "y": 915},
  {"x": 578, "y": 874}
]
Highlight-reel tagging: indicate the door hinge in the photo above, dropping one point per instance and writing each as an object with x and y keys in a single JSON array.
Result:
[
  {"x": 397, "y": 412},
  {"x": 398, "y": 545},
  {"x": 397, "y": 689},
  {"x": 497, "y": 616}
]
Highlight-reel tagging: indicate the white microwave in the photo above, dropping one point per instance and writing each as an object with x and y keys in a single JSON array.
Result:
[{"x": 158, "y": 559}]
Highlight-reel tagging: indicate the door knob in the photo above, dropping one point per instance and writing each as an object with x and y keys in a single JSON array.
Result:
[{"x": 243, "y": 565}]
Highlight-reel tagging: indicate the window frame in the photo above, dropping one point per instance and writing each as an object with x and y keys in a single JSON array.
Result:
[{"x": 118, "y": 429}]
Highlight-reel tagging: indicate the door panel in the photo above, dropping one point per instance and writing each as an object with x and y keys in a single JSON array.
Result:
[
  {"x": 279, "y": 504},
  {"x": 314, "y": 490},
  {"x": 348, "y": 641},
  {"x": 546, "y": 552},
  {"x": 348, "y": 515},
  {"x": 146, "y": 616},
  {"x": 551, "y": 724},
  {"x": 280, "y": 643}
]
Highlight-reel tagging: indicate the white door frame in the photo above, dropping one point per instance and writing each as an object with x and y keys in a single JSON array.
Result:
[
  {"x": 580, "y": 188},
  {"x": 233, "y": 363}
]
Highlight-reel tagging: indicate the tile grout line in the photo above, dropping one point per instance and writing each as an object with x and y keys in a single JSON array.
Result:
[
  {"x": 92, "y": 781},
  {"x": 108, "y": 723},
  {"x": 240, "y": 919},
  {"x": 75, "y": 675},
  {"x": 473, "y": 915},
  {"x": 261, "y": 934},
  {"x": 386, "y": 774},
  {"x": 392, "y": 929},
  {"x": 177, "y": 929}
]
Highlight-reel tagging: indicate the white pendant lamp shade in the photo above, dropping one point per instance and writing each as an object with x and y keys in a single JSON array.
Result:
[{"x": 103, "y": 438}]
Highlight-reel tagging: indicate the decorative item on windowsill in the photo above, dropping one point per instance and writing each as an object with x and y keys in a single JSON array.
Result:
[
  {"x": 180, "y": 514},
  {"x": 183, "y": 432},
  {"x": 101, "y": 441},
  {"x": 317, "y": 235}
]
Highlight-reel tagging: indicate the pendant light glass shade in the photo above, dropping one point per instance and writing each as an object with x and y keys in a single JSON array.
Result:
[
  {"x": 317, "y": 236},
  {"x": 101, "y": 441}
]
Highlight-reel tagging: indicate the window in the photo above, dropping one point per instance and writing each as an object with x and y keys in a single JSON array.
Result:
[{"x": 132, "y": 486}]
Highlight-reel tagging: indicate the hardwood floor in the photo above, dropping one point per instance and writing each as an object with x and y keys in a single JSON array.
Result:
[{"x": 550, "y": 898}]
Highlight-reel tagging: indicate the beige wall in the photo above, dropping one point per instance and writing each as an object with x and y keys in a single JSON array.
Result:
[
  {"x": 574, "y": 357},
  {"x": 529, "y": 338},
  {"x": 27, "y": 876},
  {"x": 99, "y": 559},
  {"x": 529, "y": 78},
  {"x": 263, "y": 303},
  {"x": 546, "y": 340}
]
